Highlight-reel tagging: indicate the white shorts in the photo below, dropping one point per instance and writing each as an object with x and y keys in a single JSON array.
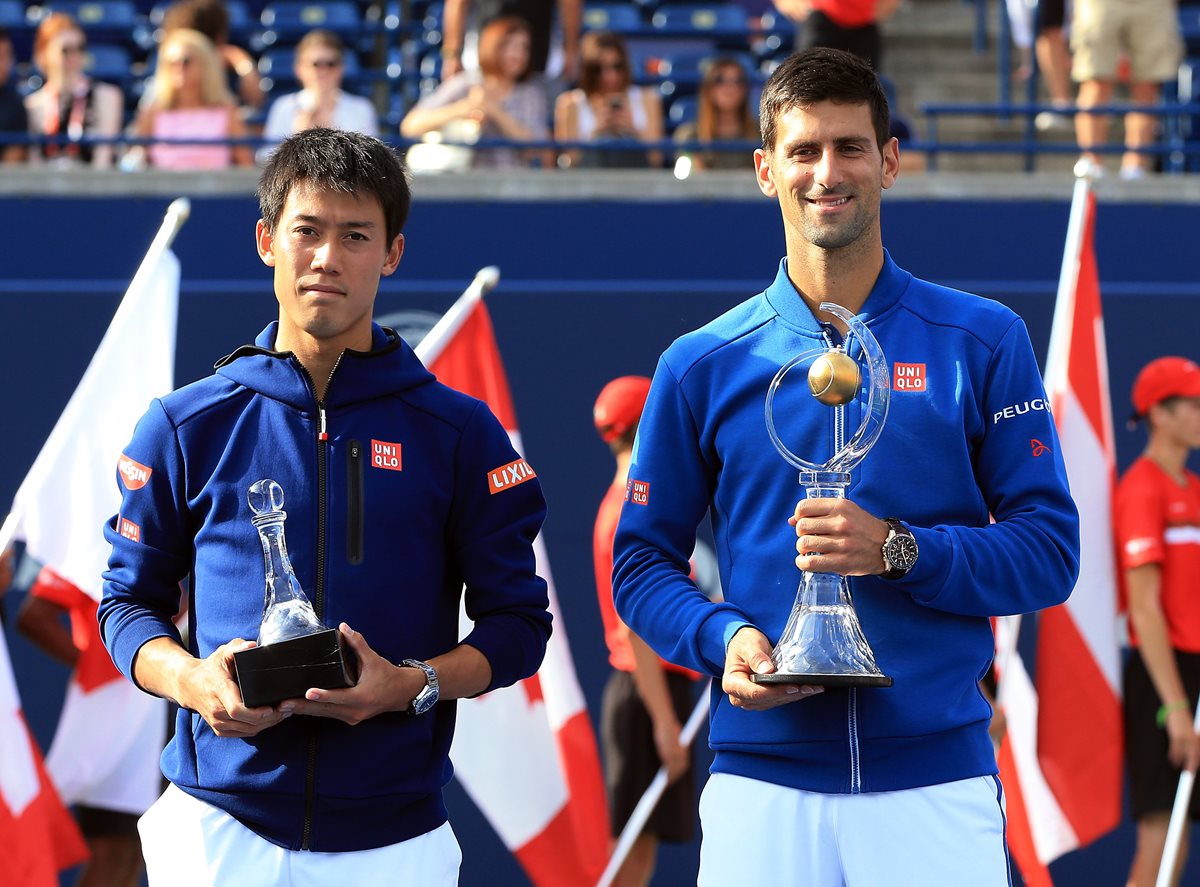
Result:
[
  {"x": 188, "y": 843},
  {"x": 944, "y": 835}
]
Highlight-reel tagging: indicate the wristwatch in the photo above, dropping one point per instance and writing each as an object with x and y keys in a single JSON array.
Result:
[
  {"x": 428, "y": 696},
  {"x": 899, "y": 550}
]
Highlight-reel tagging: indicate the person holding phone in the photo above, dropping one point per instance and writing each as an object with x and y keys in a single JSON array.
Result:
[{"x": 608, "y": 106}]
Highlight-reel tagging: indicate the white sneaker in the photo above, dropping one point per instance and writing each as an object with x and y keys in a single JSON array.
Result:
[
  {"x": 1089, "y": 169},
  {"x": 1048, "y": 120},
  {"x": 1133, "y": 173}
]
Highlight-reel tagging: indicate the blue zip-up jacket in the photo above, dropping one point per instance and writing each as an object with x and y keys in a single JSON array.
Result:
[
  {"x": 969, "y": 437},
  {"x": 401, "y": 504}
]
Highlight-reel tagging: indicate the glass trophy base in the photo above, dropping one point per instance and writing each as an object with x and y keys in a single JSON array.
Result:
[
  {"x": 824, "y": 680},
  {"x": 288, "y": 669}
]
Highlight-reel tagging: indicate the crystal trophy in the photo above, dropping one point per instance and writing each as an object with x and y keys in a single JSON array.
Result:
[
  {"x": 823, "y": 641},
  {"x": 295, "y": 651}
]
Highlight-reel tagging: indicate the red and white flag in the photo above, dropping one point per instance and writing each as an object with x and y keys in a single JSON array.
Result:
[
  {"x": 109, "y": 736},
  {"x": 38, "y": 837},
  {"x": 1061, "y": 761},
  {"x": 525, "y": 754}
]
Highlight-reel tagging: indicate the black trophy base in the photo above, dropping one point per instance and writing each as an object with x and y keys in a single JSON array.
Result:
[
  {"x": 824, "y": 680},
  {"x": 287, "y": 669}
]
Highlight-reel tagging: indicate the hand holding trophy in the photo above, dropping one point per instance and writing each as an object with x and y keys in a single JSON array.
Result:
[{"x": 823, "y": 643}]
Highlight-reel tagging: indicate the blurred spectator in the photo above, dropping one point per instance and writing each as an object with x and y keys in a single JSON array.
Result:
[
  {"x": 723, "y": 115},
  {"x": 608, "y": 107},
  {"x": 458, "y": 40},
  {"x": 852, "y": 25},
  {"x": 1053, "y": 56},
  {"x": 1147, "y": 33},
  {"x": 189, "y": 99},
  {"x": 70, "y": 103},
  {"x": 211, "y": 18},
  {"x": 13, "y": 118},
  {"x": 501, "y": 100},
  {"x": 320, "y": 64}
]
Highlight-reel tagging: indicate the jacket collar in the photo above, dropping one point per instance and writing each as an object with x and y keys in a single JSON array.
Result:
[{"x": 794, "y": 311}]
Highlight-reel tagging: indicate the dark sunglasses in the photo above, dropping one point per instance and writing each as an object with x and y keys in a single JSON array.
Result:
[
  {"x": 326, "y": 64},
  {"x": 729, "y": 78},
  {"x": 74, "y": 48}
]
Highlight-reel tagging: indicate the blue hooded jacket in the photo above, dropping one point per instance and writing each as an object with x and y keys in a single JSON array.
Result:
[
  {"x": 969, "y": 437},
  {"x": 396, "y": 498}
]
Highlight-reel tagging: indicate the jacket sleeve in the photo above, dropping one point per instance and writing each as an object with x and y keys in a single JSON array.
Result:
[
  {"x": 1028, "y": 558},
  {"x": 496, "y": 516},
  {"x": 670, "y": 486},
  {"x": 151, "y": 543}
]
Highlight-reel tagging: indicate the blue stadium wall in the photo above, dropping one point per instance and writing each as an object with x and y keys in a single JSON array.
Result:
[{"x": 590, "y": 289}]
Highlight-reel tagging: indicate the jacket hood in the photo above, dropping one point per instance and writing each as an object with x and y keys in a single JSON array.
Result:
[{"x": 389, "y": 367}]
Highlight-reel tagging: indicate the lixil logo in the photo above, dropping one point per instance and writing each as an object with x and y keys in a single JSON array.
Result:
[{"x": 507, "y": 476}]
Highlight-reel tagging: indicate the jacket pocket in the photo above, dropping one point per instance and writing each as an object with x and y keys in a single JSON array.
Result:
[{"x": 354, "y": 503}]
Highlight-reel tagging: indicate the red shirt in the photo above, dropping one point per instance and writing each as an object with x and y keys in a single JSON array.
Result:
[
  {"x": 1158, "y": 522},
  {"x": 848, "y": 13},
  {"x": 620, "y": 650}
]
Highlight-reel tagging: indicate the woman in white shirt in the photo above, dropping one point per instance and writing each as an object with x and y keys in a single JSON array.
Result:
[
  {"x": 320, "y": 64},
  {"x": 607, "y": 107}
]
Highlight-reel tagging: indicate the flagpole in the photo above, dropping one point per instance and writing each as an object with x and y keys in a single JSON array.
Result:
[
  {"x": 1179, "y": 819},
  {"x": 641, "y": 813},
  {"x": 177, "y": 213},
  {"x": 431, "y": 346}
]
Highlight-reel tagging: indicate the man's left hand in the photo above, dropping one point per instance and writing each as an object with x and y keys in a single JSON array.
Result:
[
  {"x": 836, "y": 536},
  {"x": 381, "y": 687}
]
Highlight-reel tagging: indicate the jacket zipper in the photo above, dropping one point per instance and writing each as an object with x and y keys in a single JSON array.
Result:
[
  {"x": 354, "y": 519},
  {"x": 855, "y": 762},
  {"x": 310, "y": 776}
]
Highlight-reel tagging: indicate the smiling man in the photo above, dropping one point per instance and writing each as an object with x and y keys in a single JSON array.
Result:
[
  {"x": 845, "y": 787},
  {"x": 391, "y": 520}
]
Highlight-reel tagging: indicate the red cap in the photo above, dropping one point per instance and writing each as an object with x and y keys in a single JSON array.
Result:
[
  {"x": 1164, "y": 378},
  {"x": 619, "y": 406}
]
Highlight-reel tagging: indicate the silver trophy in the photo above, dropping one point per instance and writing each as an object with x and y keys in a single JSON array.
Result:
[{"x": 823, "y": 642}]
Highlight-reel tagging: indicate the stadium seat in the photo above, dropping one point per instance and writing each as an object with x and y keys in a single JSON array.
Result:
[
  {"x": 12, "y": 15},
  {"x": 295, "y": 19},
  {"x": 620, "y": 17},
  {"x": 112, "y": 18},
  {"x": 725, "y": 18},
  {"x": 1189, "y": 26},
  {"x": 686, "y": 69},
  {"x": 683, "y": 110},
  {"x": 108, "y": 63}
]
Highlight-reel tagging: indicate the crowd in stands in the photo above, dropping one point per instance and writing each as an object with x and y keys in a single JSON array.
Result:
[{"x": 137, "y": 85}]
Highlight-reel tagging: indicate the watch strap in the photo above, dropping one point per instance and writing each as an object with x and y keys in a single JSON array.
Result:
[{"x": 896, "y": 528}]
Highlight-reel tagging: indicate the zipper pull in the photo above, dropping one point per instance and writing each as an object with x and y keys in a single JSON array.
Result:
[{"x": 322, "y": 433}]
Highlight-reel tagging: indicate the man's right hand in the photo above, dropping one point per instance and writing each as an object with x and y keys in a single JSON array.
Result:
[
  {"x": 749, "y": 653},
  {"x": 208, "y": 687},
  {"x": 672, "y": 754},
  {"x": 1184, "y": 749}
]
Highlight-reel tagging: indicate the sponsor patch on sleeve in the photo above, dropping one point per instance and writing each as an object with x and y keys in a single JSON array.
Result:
[
  {"x": 134, "y": 475},
  {"x": 637, "y": 492},
  {"x": 508, "y": 476},
  {"x": 129, "y": 530}
]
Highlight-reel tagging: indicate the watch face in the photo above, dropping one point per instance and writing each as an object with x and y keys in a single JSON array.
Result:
[
  {"x": 901, "y": 551},
  {"x": 425, "y": 700}
]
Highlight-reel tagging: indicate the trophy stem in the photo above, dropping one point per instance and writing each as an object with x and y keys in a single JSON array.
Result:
[
  {"x": 287, "y": 612},
  {"x": 823, "y": 642}
]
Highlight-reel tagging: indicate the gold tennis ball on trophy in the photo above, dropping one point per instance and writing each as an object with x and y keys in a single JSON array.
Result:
[{"x": 834, "y": 378}]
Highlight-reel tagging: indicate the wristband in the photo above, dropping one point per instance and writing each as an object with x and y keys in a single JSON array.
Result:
[
  {"x": 448, "y": 53},
  {"x": 1164, "y": 711}
]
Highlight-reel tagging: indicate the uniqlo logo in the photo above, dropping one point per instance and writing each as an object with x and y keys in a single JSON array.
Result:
[
  {"x": 129, "y": 530},
  {"x": 507, "y": 476},
  {"x": 909, "y": 377},
  {"x": 385, "y": 455},
  {"x": 133, "y": 474},
  {"x": 639, "y": 492}
]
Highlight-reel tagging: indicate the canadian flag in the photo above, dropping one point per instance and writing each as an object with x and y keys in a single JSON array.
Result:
[
  {"x": 110, "y": 734},
  {"x": 1061, "y": 758},
  {"x": 38, "y": 837},
  {"x": 553, "y": 818}
]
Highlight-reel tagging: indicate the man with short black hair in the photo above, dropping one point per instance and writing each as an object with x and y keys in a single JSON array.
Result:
[
  {"x": 853, "y": 787},
  {"x": 391, "y": 519},
  {"x": 1157, "y": 521}
]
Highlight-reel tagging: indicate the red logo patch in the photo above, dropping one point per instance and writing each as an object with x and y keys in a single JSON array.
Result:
[
  {"x": 639, "y": 492},
  {"x": 908, "y": 377},
  {"x": 509, "y": 475},
  {"x": 129, "y": 530},
  {"x": 385, "y": 455},
  {"x": 1039, "y": 448},
  {"x": 134, "y": 475}
]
